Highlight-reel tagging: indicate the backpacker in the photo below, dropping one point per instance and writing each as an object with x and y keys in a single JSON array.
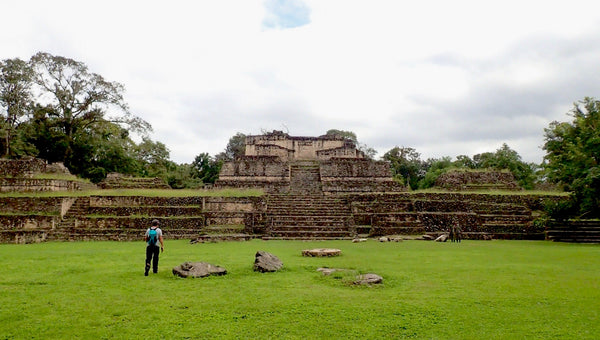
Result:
[{"x": 152, "y": 236}]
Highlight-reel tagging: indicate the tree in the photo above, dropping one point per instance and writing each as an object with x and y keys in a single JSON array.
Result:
[
  {"x": 573, "y": 155},
  {"x": 349, "y": 135},
  {"x": 435, "y": 167},
  {"x": 78, "y": 99},
  {"x": 369, "y": 152},
  {"x": 16, "y": 78},
  {"x": 406, "y": 164},
  {"x": 205, "y": 168},
  {"x": 153, "y": 158},
  {"x": 236, "y": 147}
]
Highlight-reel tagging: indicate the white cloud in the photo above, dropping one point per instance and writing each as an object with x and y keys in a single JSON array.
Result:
[{"x": 447, "y": 78}]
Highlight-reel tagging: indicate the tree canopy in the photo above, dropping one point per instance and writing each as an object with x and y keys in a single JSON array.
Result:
[{"x": 572, "y": 155}]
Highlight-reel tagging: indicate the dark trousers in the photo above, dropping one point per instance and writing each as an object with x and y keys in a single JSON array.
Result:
[{"x": 152, "y": 256}]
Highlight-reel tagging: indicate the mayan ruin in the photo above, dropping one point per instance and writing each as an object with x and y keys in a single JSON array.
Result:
[{"x": 314, "y": 188}]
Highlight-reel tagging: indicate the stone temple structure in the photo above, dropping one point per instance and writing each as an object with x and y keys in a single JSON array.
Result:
[{"x": 280, "y": 163}]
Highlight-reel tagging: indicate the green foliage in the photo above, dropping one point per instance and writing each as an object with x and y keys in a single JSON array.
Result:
[
  {"x": 16, "y": 77},
  {"x": 506, "y": 158},
  {"x": 368, "y": 151},
  {"x": 572, "y": 155},
  {"x": 503, "y": 289},
  {"x": 236, "y": 147},
  {"x": 406, "y": 163},
  {"x": 205, "y": 168},
  {"x": 436, "y": 167}
]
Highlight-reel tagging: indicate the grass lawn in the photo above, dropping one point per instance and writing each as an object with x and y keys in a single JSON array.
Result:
[{"x": 472, "y": 290}]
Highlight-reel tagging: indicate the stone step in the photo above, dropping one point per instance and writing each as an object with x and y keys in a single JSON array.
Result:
[
  {"x": 306, "y": 218},
  {"x": 311, "y": 234},
  {"x": 307, "y": 238},
  {"x": 303, "y": 212},
  {"x": 309, "y": 228}
]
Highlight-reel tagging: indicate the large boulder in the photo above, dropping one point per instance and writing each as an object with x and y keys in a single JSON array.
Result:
[
  {"x": 198, "y": 269},
  {"x": 266, "y": 262}
]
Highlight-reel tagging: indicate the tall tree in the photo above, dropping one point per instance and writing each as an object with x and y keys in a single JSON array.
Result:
[
  {"x": 406, "y": 164},
  {"x": 573, "y": 155},
  {"x": 205, "y": 168},
  {"x": 236, "y": 147},
  {"x": 16, "y": 78},
  {"x": 80, "y": 99},
  {"x": 153, "y": 158}
]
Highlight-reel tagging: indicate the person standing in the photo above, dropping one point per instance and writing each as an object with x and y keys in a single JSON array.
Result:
[{"x": 153, "y": 238}]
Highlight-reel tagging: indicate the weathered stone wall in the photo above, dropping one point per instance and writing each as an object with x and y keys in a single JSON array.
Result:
[
  {"x": 480, "y": 215},
  {"x": 477, "y": 180},
  {"x": 26, "y": 228},
  {"x": 257, "y": 167},
  {"x": 357, "y": 175},
  {"x": 40, "y": 185},
  {"x": 21, "y": 167},
  {"x": 30, "y": 205},
  {"x": 300, "y": 148},
  {"x": 265, "y": 172},
  {"x": 339, "y": 167},
  {"x": 119, "y": 181}
]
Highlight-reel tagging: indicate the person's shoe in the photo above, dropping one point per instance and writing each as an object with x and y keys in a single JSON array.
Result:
[{"x": 145, "y": 273}]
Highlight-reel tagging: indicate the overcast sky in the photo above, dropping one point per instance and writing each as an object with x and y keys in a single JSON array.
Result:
[{"x": 445, "y": 77}]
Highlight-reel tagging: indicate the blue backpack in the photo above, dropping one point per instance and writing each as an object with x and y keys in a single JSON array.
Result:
[{"x": 152, "y": 237}]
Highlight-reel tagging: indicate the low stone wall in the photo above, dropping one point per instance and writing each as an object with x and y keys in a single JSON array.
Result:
[
  {"x": 40, "y": 185},
  {"x": 477, "y": 180},
  {"x": 30, "y": 205},
  {"x": 26, "y": 228},
  {"x": 21, "y": 167},
  {"x": 480, "y": 215},
  {"x": 126, "y": 218},
  {"x": 118, "y": 181}
]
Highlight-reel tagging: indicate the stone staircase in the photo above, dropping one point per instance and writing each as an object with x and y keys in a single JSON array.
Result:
[
  {"x": 305, "y": 178},
  {"x": 314, "y": 217},
  {"x": 575, "y": 231}
]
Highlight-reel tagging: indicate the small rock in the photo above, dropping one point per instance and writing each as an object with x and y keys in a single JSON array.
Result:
[
  {"x": 384, "y": 239},
  {"x": 357, "y": 240},
  {"x": 368, "y": 279},
  {"x": 266, "y": 262},
  {"x": 198, "y": 269},
  {"x": 321, "y": 252},
  {"x": 329, "y": 271},
  {"x": 442, "y": 238},
  {"x": 427, "y": 237},
  {"x": 396, "y": 239}
]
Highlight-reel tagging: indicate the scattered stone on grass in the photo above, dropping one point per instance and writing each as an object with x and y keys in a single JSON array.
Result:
[
  {"x": 357, "y": 240},
  {"x": 328, "y": 271},
  {"x": 427, "y": 237},
  {"x": 321, "y": 252},
  {"x": 442, "y": 238},
  {"x": 368, "y": 279},
  {"x": 266, "y": 262},
  {"x": 198, "y": 269},
  {"x": 384, "y": 239}
]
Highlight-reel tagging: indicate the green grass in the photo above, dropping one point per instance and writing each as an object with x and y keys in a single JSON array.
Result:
[{"x": 472, "y": 290}]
